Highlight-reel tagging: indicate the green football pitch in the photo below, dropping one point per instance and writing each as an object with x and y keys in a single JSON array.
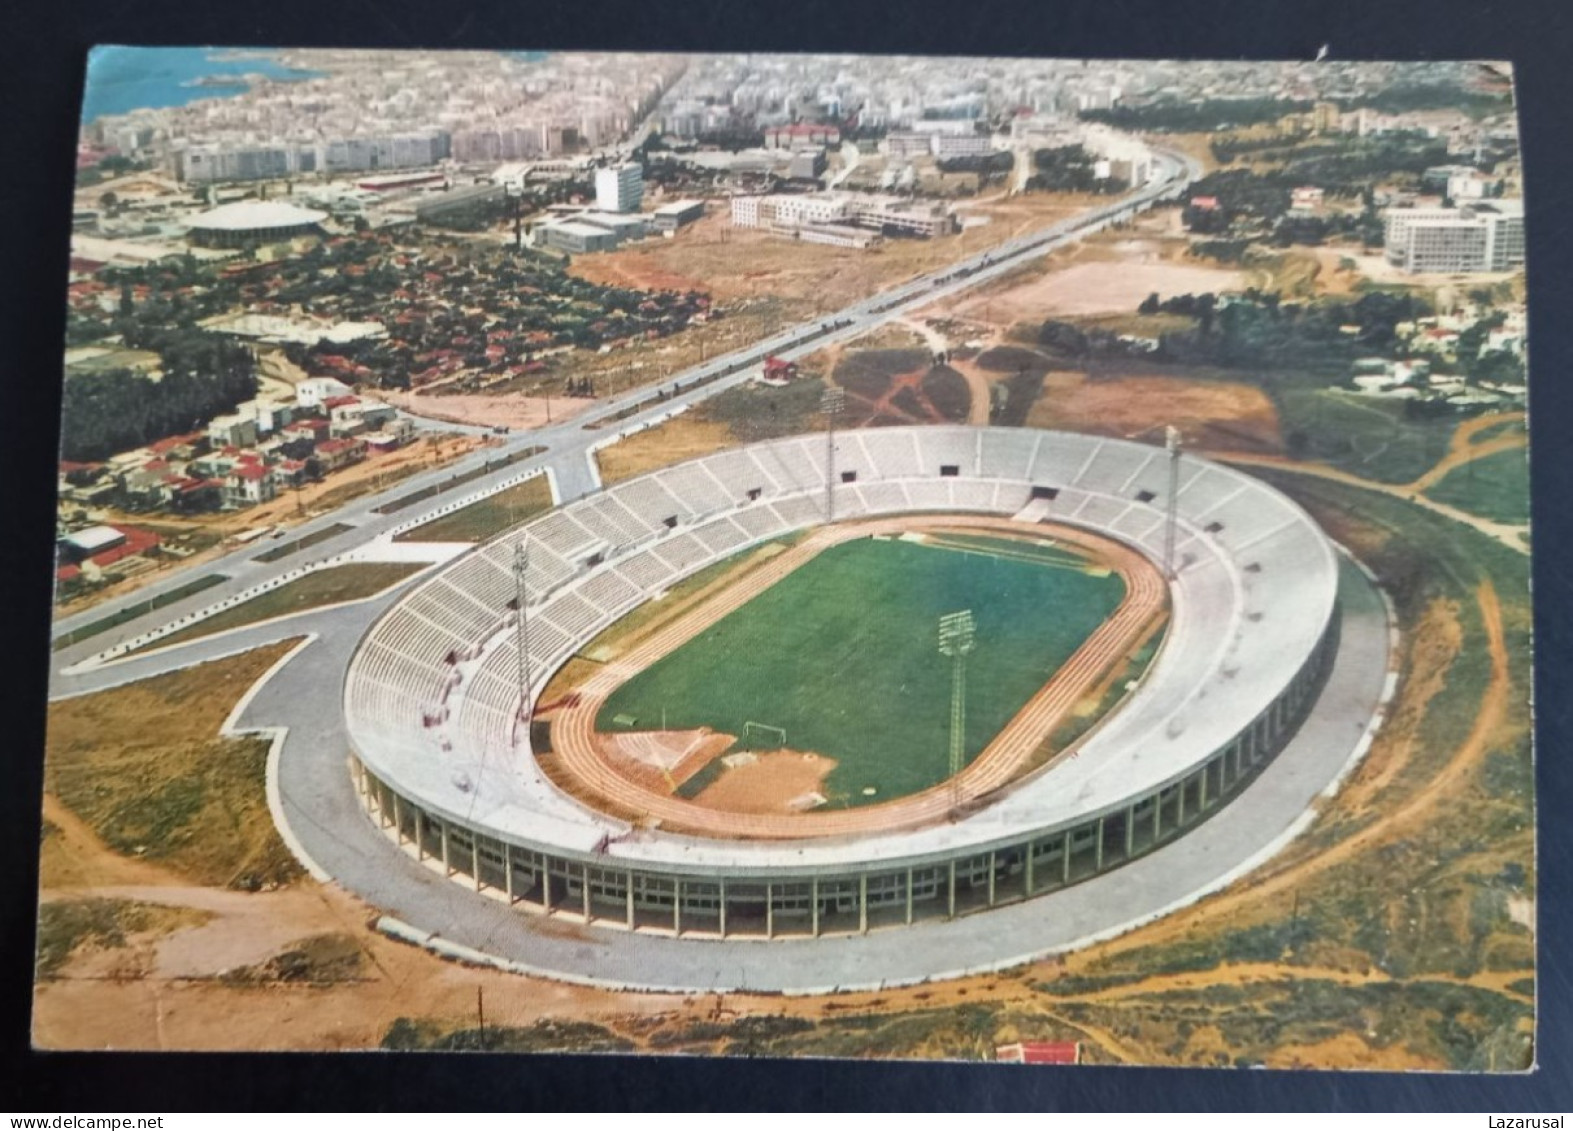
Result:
[{"x": 843, "y": 655}]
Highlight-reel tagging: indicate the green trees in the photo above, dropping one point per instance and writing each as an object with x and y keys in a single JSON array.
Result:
[
  {"x": 104, "y": 413},
  {"x": 1070, "y": 168}
]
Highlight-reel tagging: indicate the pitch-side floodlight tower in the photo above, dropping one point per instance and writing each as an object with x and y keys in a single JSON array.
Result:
[
  {"x": 957, "y": 635},
  {"x": 831, "y": 402}
]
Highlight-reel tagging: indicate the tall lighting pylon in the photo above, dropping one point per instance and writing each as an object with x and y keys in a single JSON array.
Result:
[
  {"x": 1172, "y": 515},
  {"x": 831, "y": 402},
  {"x": 521, "y": 562},
  {"x": 957, "y": 635}
]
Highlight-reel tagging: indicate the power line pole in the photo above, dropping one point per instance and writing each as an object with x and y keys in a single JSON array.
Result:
[
  {"x": 831, "y": 402},
  {"x": 957, "y": 636}
]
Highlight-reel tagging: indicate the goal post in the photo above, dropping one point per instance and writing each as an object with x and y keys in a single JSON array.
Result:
[{"x": 759, "y": 734}]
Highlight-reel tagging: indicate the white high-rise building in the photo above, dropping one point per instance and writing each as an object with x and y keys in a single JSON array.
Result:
[
  {"x": 619, "y": 189},
  {"x": 1488, "y": 236}
]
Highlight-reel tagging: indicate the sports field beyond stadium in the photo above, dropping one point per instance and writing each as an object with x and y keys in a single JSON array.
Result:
[{"x": 842, "y": 654}]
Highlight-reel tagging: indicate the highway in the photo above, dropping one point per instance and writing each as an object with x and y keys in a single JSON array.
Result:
[{"x": 568, "y": 456}]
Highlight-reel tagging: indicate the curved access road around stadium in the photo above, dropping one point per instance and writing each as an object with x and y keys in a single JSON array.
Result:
[
  {"x": 582, "y": 751},
  {"x": 319, "y": 806}
]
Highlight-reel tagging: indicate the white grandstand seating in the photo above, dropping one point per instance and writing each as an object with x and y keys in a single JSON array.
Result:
[
  {"x": 929, "y": 495},
  {"x": 559, "y": 532},
  {"x": 801, "y": 510},
  {"x": 647, "y": 498},
  {"x": 1059, "y": 462},
  {"x": 609, "y": 591},
  {"x": 399, "y": 671},
  {"x": 572, "y": 614},
  {"x": 882, "y": 498},
  {"x": 741, "y": 473},
  {"x": 969, "y": 494},
  {"x": 697, "y": 488},
  {"x": 791, "y": 468},
  {"x": 720, "y": 536},
  {"x": 682, "y": 552},
  {"x": 1007, "y": 455},
  {"x": 892, "y": 455},
  {"x": 645, "y": 571}
]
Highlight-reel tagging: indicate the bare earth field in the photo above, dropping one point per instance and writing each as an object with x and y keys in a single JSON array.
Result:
[
  {"x": 1215, "y": 415},
  {"x": 1097, "y": 288},
  {"x": 681, "y": 438},
  {"x": 733, "y": 263},
  {"x": 768, "y": 785},
  {"x": 509, "y": 411}
]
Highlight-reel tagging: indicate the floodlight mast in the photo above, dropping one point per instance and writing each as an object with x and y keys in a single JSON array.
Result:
[
  {"x": 521, "y": 563},
  {"x": 957, "y": 636},
  {"x": 831, "y": 402}
]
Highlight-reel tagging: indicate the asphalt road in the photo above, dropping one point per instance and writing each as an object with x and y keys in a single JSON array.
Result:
[
  {"x": 568, "y": 455},
  {"x": 325, "y": 820}
]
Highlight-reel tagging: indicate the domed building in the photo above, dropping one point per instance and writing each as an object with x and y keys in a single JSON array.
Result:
[{"x": 247, "y": 223}]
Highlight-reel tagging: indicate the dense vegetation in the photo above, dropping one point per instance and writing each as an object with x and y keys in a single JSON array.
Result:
[
  {"x": 1253, "y": 330},
  {"x": 1197, "y": 117},
  {"x": 1069, "y": 168},
  {"x": 204, "y": 376}
]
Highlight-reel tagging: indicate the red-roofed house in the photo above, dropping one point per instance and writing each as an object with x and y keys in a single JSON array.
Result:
[
  {"x": 247, "y": 485},
  {"x": 291, "y": 472},
  {"x": 313, "y": 428},
  {"x": 334, "y": 454},
  {"x": 1204, "y": 203},
  {"x": 1039, "y": 1052}
]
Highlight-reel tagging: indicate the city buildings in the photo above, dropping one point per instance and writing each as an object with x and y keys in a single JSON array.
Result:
[
  {"x": 1485, "y": 236},
  {"x": 833, "y": 217},
  {"x": 619, "y": 188},
  {"x": 678, "y": 214}
]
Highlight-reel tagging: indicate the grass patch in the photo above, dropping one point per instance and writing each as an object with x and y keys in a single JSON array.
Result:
[
  {"x": 143, "y": 765},
  {"x": 485, "y": 517},
  {"x": 141, "y": 608},
  {"x": 868, "y": 373},
  {"x": 320, "y": 960},
  {"x": 68, "y": 925},
  {"x": 760, "y": 412},
  {"x": 457, "y": 480},
  {"x": 949, "y": 393},
  {"x": 885, "y": 724},
  {"x": 313, "y": 590},
  {"x": 1495, "y": 487},
  {"x": 285, "y": 549},
  {"x": 1371, "y": 438},
  {"x": 546, "y": 1035},
  {"x": 1500, "y": 428}
]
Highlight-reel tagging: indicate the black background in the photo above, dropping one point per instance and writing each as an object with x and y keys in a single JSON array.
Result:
[{"x": 42, "y": 55}]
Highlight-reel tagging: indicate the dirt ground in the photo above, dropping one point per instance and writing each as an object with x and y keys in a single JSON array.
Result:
[
  {"x": 665, "y": 759},
  {"x": 512, "y": 411},
  {"x": 769, "y": 784},
  {"x": 732, "y": 263},
  {"x": 681, "y": 438},
  {"x": 167, "y": 994},
  {"x": 1117, "y": 286},
  {"x": 1216, "y": 415}
]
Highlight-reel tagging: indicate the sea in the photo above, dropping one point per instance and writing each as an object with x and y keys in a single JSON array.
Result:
[{"x": 122, "y": 79}]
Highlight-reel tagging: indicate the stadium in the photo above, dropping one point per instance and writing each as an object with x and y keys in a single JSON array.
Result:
[{"x": 1196, "y": 605}]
